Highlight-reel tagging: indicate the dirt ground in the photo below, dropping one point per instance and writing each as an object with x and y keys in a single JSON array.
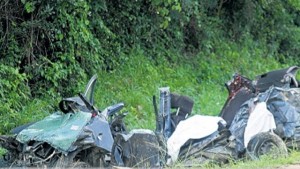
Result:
[{"x": 293, "y": 166}]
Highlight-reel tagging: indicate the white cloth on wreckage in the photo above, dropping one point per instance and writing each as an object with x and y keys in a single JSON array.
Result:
[
  {"x": 260, "y": 120},
  {"x": 195, "y": 127}
]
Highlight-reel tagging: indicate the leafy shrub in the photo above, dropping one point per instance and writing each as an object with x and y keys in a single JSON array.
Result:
[
  {"x": 14, "y": 93},
  {"x": 50, "y": 48}
]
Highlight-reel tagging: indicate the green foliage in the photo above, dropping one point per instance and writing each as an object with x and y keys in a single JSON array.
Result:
[
  {"x": 295, "y": 4},
  {"x": 13, "y": 93},
  {"x": 135, "y": 84},
  {"x": 139, "y": 79},
  {"x": 50, "y": 48},
  {"x": 163, "y": 8},
  {"x": 265, "y": 162},
  {"x": 16, "y": 105}
]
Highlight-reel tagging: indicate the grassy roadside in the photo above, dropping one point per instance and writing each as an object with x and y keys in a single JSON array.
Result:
[
  {"x": 266, "y": 162},
  {"x": 139, "y": 78},
  {"x": 263, "y": 163}
]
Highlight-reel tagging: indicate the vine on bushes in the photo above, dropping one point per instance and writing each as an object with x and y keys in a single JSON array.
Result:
[
  {"x": 49, "y": 48},
  {"x": 54, "y": 43}
]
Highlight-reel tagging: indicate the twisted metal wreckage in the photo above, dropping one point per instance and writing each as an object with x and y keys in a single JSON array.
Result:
[
  {"x": 260, "y": 116},
  {"x": 79, "y": 135}
]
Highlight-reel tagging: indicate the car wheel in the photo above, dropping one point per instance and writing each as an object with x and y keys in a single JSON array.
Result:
[{"x": 266, "y": 143}]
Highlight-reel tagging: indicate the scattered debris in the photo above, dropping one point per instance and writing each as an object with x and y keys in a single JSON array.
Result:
[
  {"x": 78, "y": 136},
  {"x": 260, "y": 116}
]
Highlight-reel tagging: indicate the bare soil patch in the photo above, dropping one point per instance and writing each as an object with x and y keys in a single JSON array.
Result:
[{"x": 292, "y": 166}]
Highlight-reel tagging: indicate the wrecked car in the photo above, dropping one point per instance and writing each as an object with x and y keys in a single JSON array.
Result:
[
  {"x": 262, "y": 116},
  {"x": 276, "y": 92},
  {"x": 79, "y": 135},
  {"x": 258, "y": 116},
  {"x": 193, "y": 140}
]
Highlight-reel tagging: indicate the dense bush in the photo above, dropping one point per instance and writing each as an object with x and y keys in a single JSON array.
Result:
[
  {"x": 13, "y": 93},
  {"x": 50, "y": 48}
]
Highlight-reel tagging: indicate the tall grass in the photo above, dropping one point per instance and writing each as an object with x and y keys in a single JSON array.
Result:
[
  {"x": 201, "y": 77},
  {"x": 138, "y": 78}
]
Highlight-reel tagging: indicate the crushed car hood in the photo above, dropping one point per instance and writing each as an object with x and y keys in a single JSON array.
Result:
[{"x": 59, "y": 130}]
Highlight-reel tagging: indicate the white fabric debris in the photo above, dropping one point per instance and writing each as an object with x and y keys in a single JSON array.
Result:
[
  {"x": 195, "y": 127},
  {"x": 260, "y": 120}
]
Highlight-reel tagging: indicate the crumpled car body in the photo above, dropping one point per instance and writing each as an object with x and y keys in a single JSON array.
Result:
[
  {"x": 77, "y": 136},
  {"x": 278, "y": 91},
  {"x": 260, "y": 115},
  {"x": 283, "y": 104},
  {"x": 271, "y": 96}
]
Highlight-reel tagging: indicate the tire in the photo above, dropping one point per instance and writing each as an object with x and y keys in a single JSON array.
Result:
[
  {"x": 4, "y": 164},
  {"x": 266, "y": 143},
  {"x": 140, "y": 150}
]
